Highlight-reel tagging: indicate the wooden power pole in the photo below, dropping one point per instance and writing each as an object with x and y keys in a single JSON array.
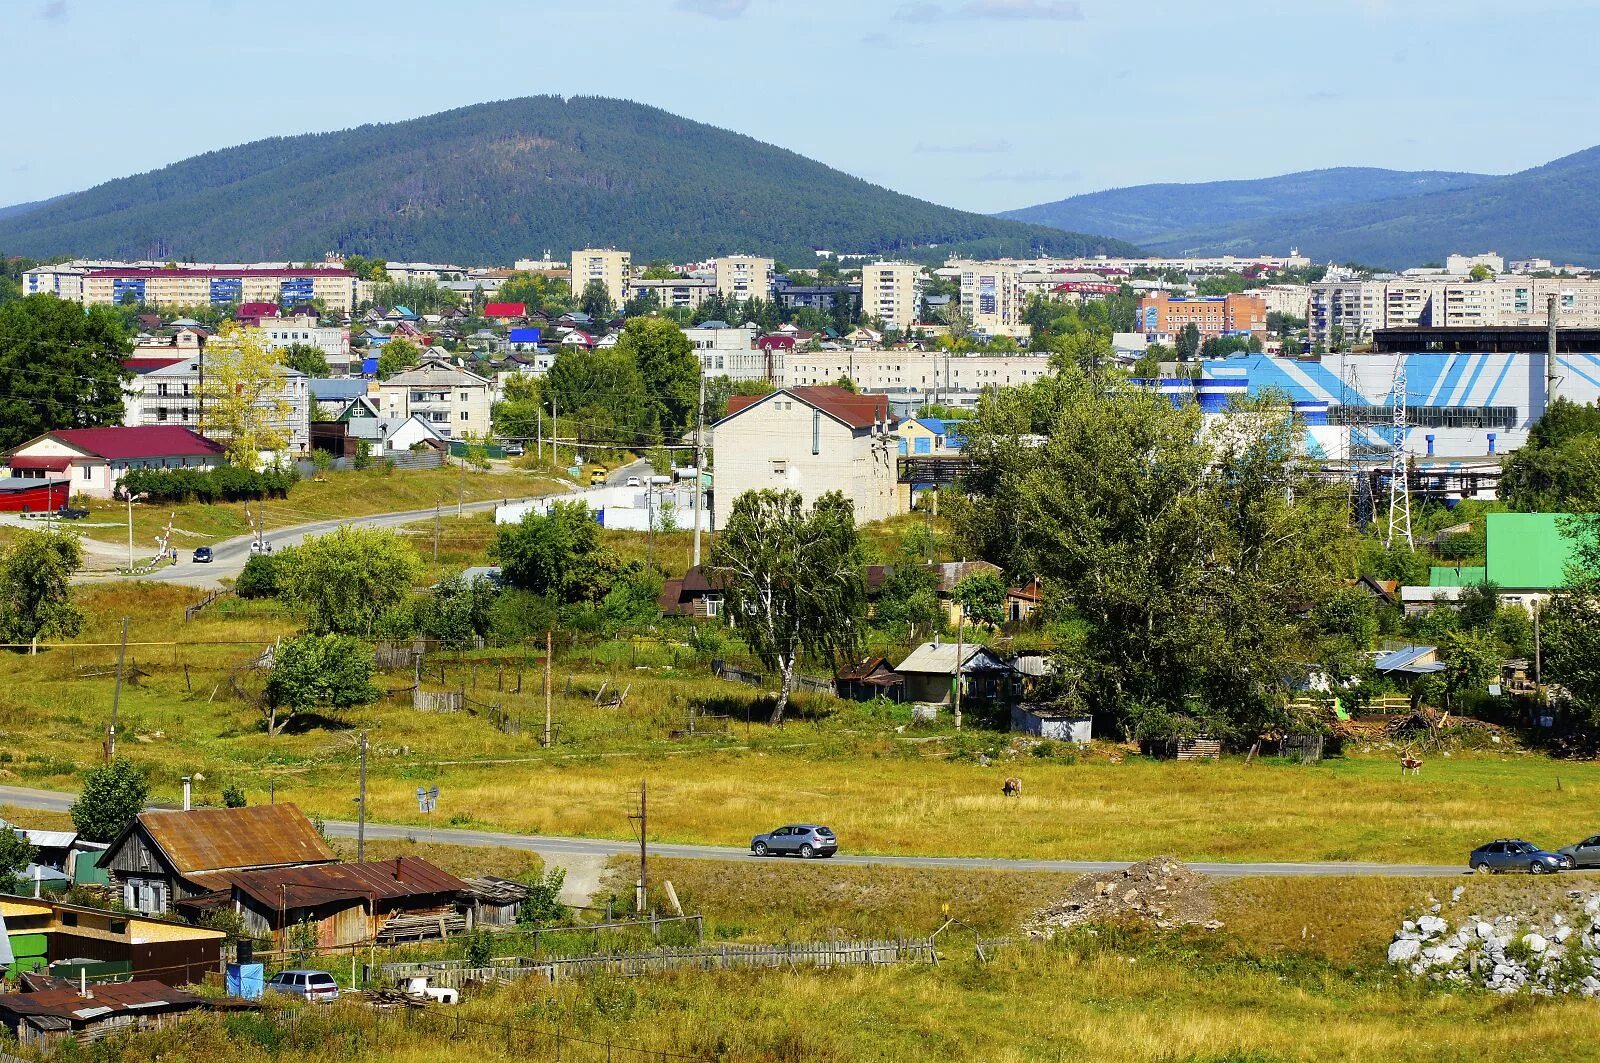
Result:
[
  {"x": 642, "y": 900},
  {"x": 699, "y": 460},
  {"x": 116, "y": 695},
  {"x": 361, "y": 810},
  {"x": 548, "y": 645}
]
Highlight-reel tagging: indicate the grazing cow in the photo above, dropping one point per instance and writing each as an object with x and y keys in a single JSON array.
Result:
[
  {"x": 1012, "y": 788},
  {"x": 1410, "y": 766}
]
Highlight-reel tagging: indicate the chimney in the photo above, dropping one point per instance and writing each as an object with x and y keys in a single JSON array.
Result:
[
  {"x": 397, "y": 868},
  {"x": 83, "y": 983},
  {"x": 188, "y": 791}
]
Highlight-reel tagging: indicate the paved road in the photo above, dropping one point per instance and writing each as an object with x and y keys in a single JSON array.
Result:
[
  {"x": 231, "y": 554},
  {"x": 619, "y": 477},
  {"x": 554, "y": 849}
]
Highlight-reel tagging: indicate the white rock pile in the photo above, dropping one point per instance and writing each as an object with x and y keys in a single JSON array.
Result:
[{"x": 1507, "y": 953}]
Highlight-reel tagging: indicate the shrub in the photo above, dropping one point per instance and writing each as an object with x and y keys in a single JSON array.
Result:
[
  {"x": 112, "y": 795},
  {"x": 225, "y": 483},
  {"x": 259, "y": 579},
  {"x": 542, "y": 906},
  {"x": 233, "y": 796}
]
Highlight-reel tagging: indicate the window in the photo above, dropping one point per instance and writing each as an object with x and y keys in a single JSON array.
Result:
[
  {"x": 780, "y": 467},
  {"x": 464, "y": 415},
  {"x": 87, "y": 471}
]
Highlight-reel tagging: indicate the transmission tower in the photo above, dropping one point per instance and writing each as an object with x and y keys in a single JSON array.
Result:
[
  {"x": 1365, "y": 450},
  {"x": 1399, "y": 472}
]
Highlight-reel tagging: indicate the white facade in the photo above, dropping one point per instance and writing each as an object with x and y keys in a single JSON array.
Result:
[
  {"x": 992, "y": 298},
  {"x": 454, "y": 402},
  {"x": 927, "y": 373},
  {"x": 1183, "y": 263},
  {"x": 284, "y": 332},
  {"x": 731, "y": 352},
  {"x": 892, "y": 291},
  {"x": 64, "y": 281},
  {"x": 1464, "y": 264},
  {"x": 678, "y": 293},
  {"x": 743, "y": 277},
  {"x": 171, "y": 396},
  {"x": 1358, "y": 308}
]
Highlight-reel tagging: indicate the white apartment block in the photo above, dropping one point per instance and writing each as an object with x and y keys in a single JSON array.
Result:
[
  {"x": 743, "y": 277},
  {"x": 732, "y": 352},
  {"x": 1358, "y": 308},
  {"x": 992, "y": 298},
  {"x": 612, "y": 268},
  {"x": 171, "y": 395},
  {"x": 958, "y": 378},
  {"x": 1185, "y": 264},
  {"x": 454, "y": 402},
  {"x": 423, "y": 272},
  {"x": 281, "y": 333},
  {"x": 892, "y": 292},
  {"x": 677, "y": 293}
]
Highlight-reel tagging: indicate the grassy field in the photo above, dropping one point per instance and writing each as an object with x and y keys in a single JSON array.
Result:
[{"x": 327, "y": 496}]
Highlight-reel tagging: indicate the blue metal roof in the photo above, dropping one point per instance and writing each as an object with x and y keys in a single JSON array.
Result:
[
  {"x": 1405, "y": 661},
  {"x": 324, "y": 389}
]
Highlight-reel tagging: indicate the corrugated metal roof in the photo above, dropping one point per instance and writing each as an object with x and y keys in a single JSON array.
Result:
[
  {"x": 221, "y": 839},
  {"x": 1406, "y": 660},
  {"x": 1528, "y": 551},
  {"x": 940, "y": 658},
  {"x": 108, "y": 998},
  {"x": 303, "y": 887}
]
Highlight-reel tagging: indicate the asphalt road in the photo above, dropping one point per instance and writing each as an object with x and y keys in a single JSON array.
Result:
[{"x": 554, "y": 848}]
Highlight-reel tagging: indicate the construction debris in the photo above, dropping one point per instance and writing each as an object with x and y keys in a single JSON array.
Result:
[{"x": 1160, "y": 891}]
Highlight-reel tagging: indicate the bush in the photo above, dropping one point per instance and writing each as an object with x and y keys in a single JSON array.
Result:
[
  {"x": 233, "y": 796},
  {"x": 259, "y": 578},
  {"x": 518, "y": 616},
  {"x": 225, "y": 483},
  {"x": 542, "y": 907},
  {"x": 112, "y": 795}
]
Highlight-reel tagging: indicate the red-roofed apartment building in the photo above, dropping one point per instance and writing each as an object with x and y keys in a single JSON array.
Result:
[
  {"x": 94, "y": 459},
  {"x": 812, "y": 440}
]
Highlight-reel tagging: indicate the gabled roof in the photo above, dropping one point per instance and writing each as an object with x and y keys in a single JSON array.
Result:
[
  {"x": 145, "y": 997},
  {"x": 256, "y": 310},
  {"x": 125, "y": 443},
  {"x": 304, "y": 887},
  {"x": 844, "y": 406},
  {"x": 864, "y": 669},
  {"x": 1406, "y": 661},
  {"x": 223, "y": 839},
  {"x": 505, "y": 309},
  {"x": 939, "y": 658},
  {"x": 434, "y": 371}
]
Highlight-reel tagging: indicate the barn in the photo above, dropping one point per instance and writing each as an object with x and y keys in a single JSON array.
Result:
[{"x": 28, "y": 494}]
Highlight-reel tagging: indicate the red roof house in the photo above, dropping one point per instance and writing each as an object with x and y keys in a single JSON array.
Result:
[
  {"x": 252, "y": 313},
  {"x": 505, "y": 310},
  {"x": 94, "y": 459}
]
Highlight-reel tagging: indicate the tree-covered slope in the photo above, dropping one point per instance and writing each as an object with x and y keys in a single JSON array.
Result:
[
  {"x": 498, "y": 181},
  {"x": 1150, "y": 212},
  {"x": 1545, "y": 212}
]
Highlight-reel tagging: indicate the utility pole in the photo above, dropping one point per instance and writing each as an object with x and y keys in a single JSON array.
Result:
[
  {"x": 461, "y": 485},
  {"x": 555, "y": 431},
  {"x": 130, "y": 531},
  {"x": 699, "y": 459},
  {"x": 1538, "y": 677},
  {"x": 960, "y": 620},
  {"x": 548, "y": 646},
  {"x": 640, "y": 900},
  {"x": 538, "y": 430},
  {"x": 116, "y": 695},
  {"x": 436, "y": 530},
  {"x": 1550, "y": 353},
  {"x": 650, "y": 524},
  {"x": 361, "y": 811}
]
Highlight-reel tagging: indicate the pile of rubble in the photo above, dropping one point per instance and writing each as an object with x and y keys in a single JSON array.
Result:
[
  {"x": 1160, "y": 890},
  {"x": 1507, "y": 953}
]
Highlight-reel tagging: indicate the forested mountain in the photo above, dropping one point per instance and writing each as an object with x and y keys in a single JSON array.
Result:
[
  {"x": 499, "y": 181},
  {"x": 1149, "y": 212}
]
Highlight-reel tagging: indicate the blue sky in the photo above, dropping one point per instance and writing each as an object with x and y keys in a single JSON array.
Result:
[{"x": 980, "y": 104}]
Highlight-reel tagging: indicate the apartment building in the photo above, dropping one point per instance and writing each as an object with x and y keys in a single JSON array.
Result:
[
  {"x": 685, "y": 293},
  {"x": 892, "y": 292},
  {"x": 1157, "y": 264},
  {"x": 1162, "y": 318},
  {"x": 993, "y": 299},
  {"x": 743, "y": 277},
  {"x": 933, "y": 376},
  {"x": 338, "y": 289},
  {"x": 281, "y": 333},
  {"x": 610, "y": 267},
  {"x": 454, "y": 402},
  {"x": 423, "y": 272},
  {"x": 732, "y": 352},
  {"x": 170, "y": 394},
  {"x": 812, "y": 440},
  {"x": 1349, "y": 312}
]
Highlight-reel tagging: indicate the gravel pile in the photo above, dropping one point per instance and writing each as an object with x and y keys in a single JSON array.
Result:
[
  {"x": 1160, "y": 890},
  {"x": 1508, "y": 953}
]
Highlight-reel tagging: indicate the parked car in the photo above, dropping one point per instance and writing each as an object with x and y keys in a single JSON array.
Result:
[
  {"x": 597, "y": 476},
  {"x": 513, "y": 450},
  {"x": 1583, "y": 854},
  {"x": 634, "y": 481},
  {"x": 1511, "y": 854},
  {"x": 202, "y": 554},
  {"x": 807, "y": 840},
  {"x": 308, "y": 985}
]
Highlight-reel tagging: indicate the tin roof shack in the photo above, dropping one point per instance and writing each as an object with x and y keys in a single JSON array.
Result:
[
  {"x": 865, "y": 680},
  {"x": 930, "y": 673},
  {"x": 1051, "y": 721},
  {"x": 153, "y": 862},
  {"x": 406, "y": 898},
  {"x": 495, "y": 901},
  {"x": 54, "y": 1015},
  {"x": 44, "y": 933}
]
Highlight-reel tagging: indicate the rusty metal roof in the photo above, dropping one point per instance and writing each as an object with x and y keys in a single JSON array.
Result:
[
  {"x": 147, "y": 996},
  {"x": 402, "y": 878},
  {"x": 224, "y": 839}
]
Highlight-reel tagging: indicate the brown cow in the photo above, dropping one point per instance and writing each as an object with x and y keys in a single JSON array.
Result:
[{"x": 1012, "y": 788}]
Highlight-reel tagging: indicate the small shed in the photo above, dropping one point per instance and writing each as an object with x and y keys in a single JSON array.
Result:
[
  {"x": 495, "y": 901},
  {"x": 1051, "y": 721},
  {"x": 1410, "y": 661},
  {"x": 55, "y": 1015},
  {"x": 868, "y": 679}
]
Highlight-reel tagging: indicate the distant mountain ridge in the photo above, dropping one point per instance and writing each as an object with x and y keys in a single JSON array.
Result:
[
  {"x": 1144, "y": 213},
  {"x": 1543, "y": 212},
  {"x": 499, "y": 181}
]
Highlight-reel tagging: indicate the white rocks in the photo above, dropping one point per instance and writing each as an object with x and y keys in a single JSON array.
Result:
[
  {"x": 1485, "y": 931},
  {"x": 1536, "y": 942},
  {"x": 1563, "y": 933},
  {"x": 1455, "y": 894},
  {"x": 1404, "y": 950},
  {"x": 1431, "y": 926}
]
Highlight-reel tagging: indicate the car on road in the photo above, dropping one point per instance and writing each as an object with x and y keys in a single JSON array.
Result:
[
  {"x": 314, "y": 986},
  {"x": 1583, "y": 854},
  {"x": 597, "y": 476},
  {"x": 202, "y": 555},
  {"x": 1513, "y": 854},
  {"x": 634, "y": 481},
  {"x": 806, "y": 840},
  {"x": 513, "y": 450},
  {"x": 261, "y": 546}
]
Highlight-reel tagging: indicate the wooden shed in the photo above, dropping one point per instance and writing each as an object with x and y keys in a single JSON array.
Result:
[
  {"x": 867, "y": 679},
  {"x": 495, "y": 901},
  {"x": 54, "y": 1015},
  {"x": 1049, "y": 721}
]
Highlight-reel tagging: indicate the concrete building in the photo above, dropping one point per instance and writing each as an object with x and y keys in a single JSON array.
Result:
[
  {"x": 612, "y": 268},
  {"x": 992, "y": 298},
  {"x": 677, "y": 293},
  {"x": 337, "y": 288},
  {"x": 170, "y": 394},
  {"x": 454, "y": 402},
  {"x": 1154, "y": 263},
  {"x": 892, "y": 291},
  {"x": 95, "y": 459},
  {"x": 1163, "y": 318},
  {"x": 281, "y": 333},
  {"x": 1465, "y": 264},
  {"x": 732, "y": 352},
  {"x": 423, "y": 272},
  {"x": 1349, "y": 312},
  {"x": 807, "y": 439},
  {"x": 920, "y": 376},
  {"x": 743, "y": 277}
]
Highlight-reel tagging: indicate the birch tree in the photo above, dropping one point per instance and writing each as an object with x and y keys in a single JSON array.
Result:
[
  {"x": 793, "y": 580},
  {"x": 243, "y": 392}
]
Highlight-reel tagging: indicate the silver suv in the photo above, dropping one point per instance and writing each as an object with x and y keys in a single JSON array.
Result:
[
  {"x": 806, "y": 840},
  {"x": 308, "y": 985}
]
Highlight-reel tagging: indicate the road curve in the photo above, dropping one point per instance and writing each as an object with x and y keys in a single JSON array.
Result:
[{"x": 555, "y": 847}]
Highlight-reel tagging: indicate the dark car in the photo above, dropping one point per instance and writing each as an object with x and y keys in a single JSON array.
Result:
[
  {"x": 202, "y": 554},
  {"x": 1512, "y": 854},
  {"x": 66, "y": 512},
  {"x": 1583, "y": 854},
  {"x": 804, "y": 839}
]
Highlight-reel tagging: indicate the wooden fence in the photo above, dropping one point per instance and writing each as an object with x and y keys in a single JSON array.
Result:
[
  {"x": 194, "y": 610},
  {"x": 750, "y": 677},
  {"x": 442, "y": 701}
]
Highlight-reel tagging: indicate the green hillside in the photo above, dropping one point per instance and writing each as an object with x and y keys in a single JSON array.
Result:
[
  {"x": 499, "y": 181},
  {"x": 1147, "y": 212}
]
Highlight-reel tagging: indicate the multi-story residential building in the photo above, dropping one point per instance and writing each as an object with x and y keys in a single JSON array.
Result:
[
  {"x": 610, "y": 267},
  {"x": 1155, "y": 264},
  {"x": 812, "y": 296},
  {"x": 281, "y": 333},
  {"x": 1346, "y": 313},
  {"x": 892, "y": 292},
  {"x": 63, "y": 280},
  {"x": 1163, "y": 318},
  {"x": 170, "y": 394},
  {"x": 919, "y": 377},
  {"x": 732, "y": 352},
  {"x": 993, "y": 299},
  {"x": 685, "y": 293},
  {"x": 338, "y": 289},
  {"x": 811, "y": 440},
  {"x": 423, "y": 272},
  {"x": 1464, "y": 264},
  {"x": 454, "y": 402},
  {"x": 743, "y": 277}
]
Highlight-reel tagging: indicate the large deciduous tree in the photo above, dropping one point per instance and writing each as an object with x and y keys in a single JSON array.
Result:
[
  {"x": 112, "y": 795},
  {"x": 246, "y": 408},
  {"x": 60, "y": 367},
  {"x": 596, "y": 300},
  {"x": 317, "y": 670},
  {"x": 1186, "y": 554},
  {"x": 555, "y": 554},
  {"x": 793, "y": 580},
  {"x": 344, "y": 581},
  {"x": 36, "y": 571},
  {"x": 667, "y": 364}
]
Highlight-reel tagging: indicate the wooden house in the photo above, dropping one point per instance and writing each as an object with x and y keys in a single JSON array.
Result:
[
  {"x": 867, "y": 679},
  {"x": 931, "y": 669},
  {"x": 41, "y": 932},
  {"x": 495, "y": 901},
  {"x": 153, "y": 863}
]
